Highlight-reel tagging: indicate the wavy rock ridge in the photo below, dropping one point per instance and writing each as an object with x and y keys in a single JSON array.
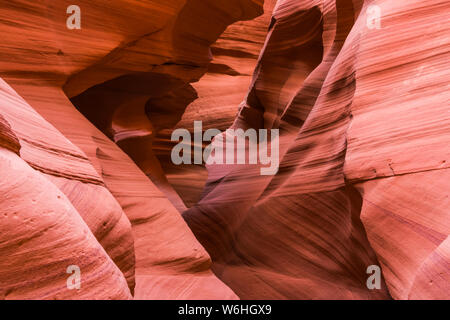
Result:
[
  {"x": 329, "y": 83},
  {"x": 117, "y": 208},
  {"x": 86, "y": 178}
]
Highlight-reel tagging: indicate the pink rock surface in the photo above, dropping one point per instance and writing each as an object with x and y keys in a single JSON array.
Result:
[
  {"x": 101, "y": 182},
  {"x": 356, "y": 107},
  {"x": 86, "y": 177},
  {"x": 42, "y": 235}
]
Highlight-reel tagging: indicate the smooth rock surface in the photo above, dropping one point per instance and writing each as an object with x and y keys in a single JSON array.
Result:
[
  {"x": 356, "y": 107},
  {"x": 86, "y": 177}
]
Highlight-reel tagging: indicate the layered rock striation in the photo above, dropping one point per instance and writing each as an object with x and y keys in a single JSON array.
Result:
[{"x": 357, "y": 88}]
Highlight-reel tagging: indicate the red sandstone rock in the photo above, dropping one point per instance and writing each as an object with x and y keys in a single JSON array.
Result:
[
  {"x": 98, "y": 178},
  {"x": 86, "y": 179},
  {"x": 355, "y": 106},
  {"x": 8, "y": 139},
  {"x": 42, "y": 235}
]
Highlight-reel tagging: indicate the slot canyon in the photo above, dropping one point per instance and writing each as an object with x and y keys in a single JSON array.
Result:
[{"x": 86, "y": 123}]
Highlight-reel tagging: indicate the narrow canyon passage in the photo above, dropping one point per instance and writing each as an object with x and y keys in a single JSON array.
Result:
[{"x": 363, "y": 166}]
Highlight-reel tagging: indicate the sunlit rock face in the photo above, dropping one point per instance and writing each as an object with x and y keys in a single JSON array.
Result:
[
  {"x": 358, "y": 90},
  {"x": 219, "y": 94},
  {"x": 128, "y": 238},
  {"x": 363, "y": 113}
]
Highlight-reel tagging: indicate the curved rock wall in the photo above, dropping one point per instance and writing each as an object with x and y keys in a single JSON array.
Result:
[
  {"x": 123, "y": 214},
  {"x": 362, "y": 114},
  {"x": 86, "y": 178}
]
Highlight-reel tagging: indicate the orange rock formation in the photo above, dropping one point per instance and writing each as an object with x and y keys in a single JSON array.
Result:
[{"x": 86, "y": 178}]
